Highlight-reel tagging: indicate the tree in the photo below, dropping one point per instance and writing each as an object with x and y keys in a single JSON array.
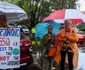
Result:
[
  {"x": 11, "y": 1},
  {"x": 37, "y": 10},
  {"x": 63, "y": 4}
]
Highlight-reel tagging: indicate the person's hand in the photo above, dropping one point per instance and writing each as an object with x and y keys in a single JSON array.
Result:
[
  {"x": 66, "y": 35},
  {"x": 64, "y": 39},
  {"x": 8, "y": 27},
  {"x": 49, "y": 37}
]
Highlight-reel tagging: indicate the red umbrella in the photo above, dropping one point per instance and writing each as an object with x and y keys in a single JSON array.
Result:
[{"x": 61, "y": 15}]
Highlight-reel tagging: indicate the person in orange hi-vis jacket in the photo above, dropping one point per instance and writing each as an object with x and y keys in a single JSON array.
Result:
[{"x": 67, "y": 47}]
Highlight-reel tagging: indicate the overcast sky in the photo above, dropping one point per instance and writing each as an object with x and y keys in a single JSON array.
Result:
[{"x": 82, "y": 5}]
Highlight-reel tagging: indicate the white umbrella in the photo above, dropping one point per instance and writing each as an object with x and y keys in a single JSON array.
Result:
[
  {"x": 60, "y": 16},
  {"x": 12, "y": 12}
]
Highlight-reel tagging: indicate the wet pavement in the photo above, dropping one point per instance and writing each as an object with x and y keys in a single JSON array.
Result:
[
  {"x": 36, "y": 64},
  {"x": 81, "y": 62}
]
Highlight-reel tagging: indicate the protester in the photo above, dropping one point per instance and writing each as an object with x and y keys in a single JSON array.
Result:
[
  {"x": 3, "y": 21},
  {"x": 67, "y": 38},
  {"x": 33, "y": 30},
  {"x": 47, "y": 41}
]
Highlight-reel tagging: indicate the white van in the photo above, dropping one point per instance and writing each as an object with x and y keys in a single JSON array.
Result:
[{"x": 24, "y": 28}]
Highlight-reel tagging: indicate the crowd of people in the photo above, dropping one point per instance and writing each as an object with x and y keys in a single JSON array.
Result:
[{"x": 66, "y": 50}]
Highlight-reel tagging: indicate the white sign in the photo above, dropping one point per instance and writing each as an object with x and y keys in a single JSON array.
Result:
[{"x": 9, "y": 48}]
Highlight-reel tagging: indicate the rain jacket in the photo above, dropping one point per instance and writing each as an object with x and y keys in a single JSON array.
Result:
[
  {"x": 72, "y": 38},
  {"x": 45, "y": 43},
  {"x": 33, "y": 30}
]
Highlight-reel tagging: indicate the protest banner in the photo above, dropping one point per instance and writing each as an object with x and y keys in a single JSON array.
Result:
[{"x": 9, "y": 48}]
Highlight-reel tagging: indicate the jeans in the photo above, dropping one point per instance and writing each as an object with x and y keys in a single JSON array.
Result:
[
  {"x": 47, "y": 63},
  {"x": 50, "y": 60},
  {"x": 70, "y": 59}
]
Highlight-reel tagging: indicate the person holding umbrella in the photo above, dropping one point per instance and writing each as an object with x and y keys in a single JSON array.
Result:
[
  {"x": 48, "y": 40},
  {"x": 3, "y": 21},
  {"x": 68, "y": 45}
]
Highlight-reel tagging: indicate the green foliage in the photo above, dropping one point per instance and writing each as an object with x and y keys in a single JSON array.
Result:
[
  {"x": 11, "y": 1},
  {"x": 37, "y": 10},
  {"x": 63, "y": 4}
]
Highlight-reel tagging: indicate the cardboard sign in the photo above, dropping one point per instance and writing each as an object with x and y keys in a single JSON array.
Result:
[{"x": 9, "y": 48}]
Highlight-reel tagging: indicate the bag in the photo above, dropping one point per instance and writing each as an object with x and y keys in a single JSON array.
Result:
[{"x": 52, "y": 51}]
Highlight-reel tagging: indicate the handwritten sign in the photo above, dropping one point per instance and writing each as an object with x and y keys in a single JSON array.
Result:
[{"x": 9, "y": 48}]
